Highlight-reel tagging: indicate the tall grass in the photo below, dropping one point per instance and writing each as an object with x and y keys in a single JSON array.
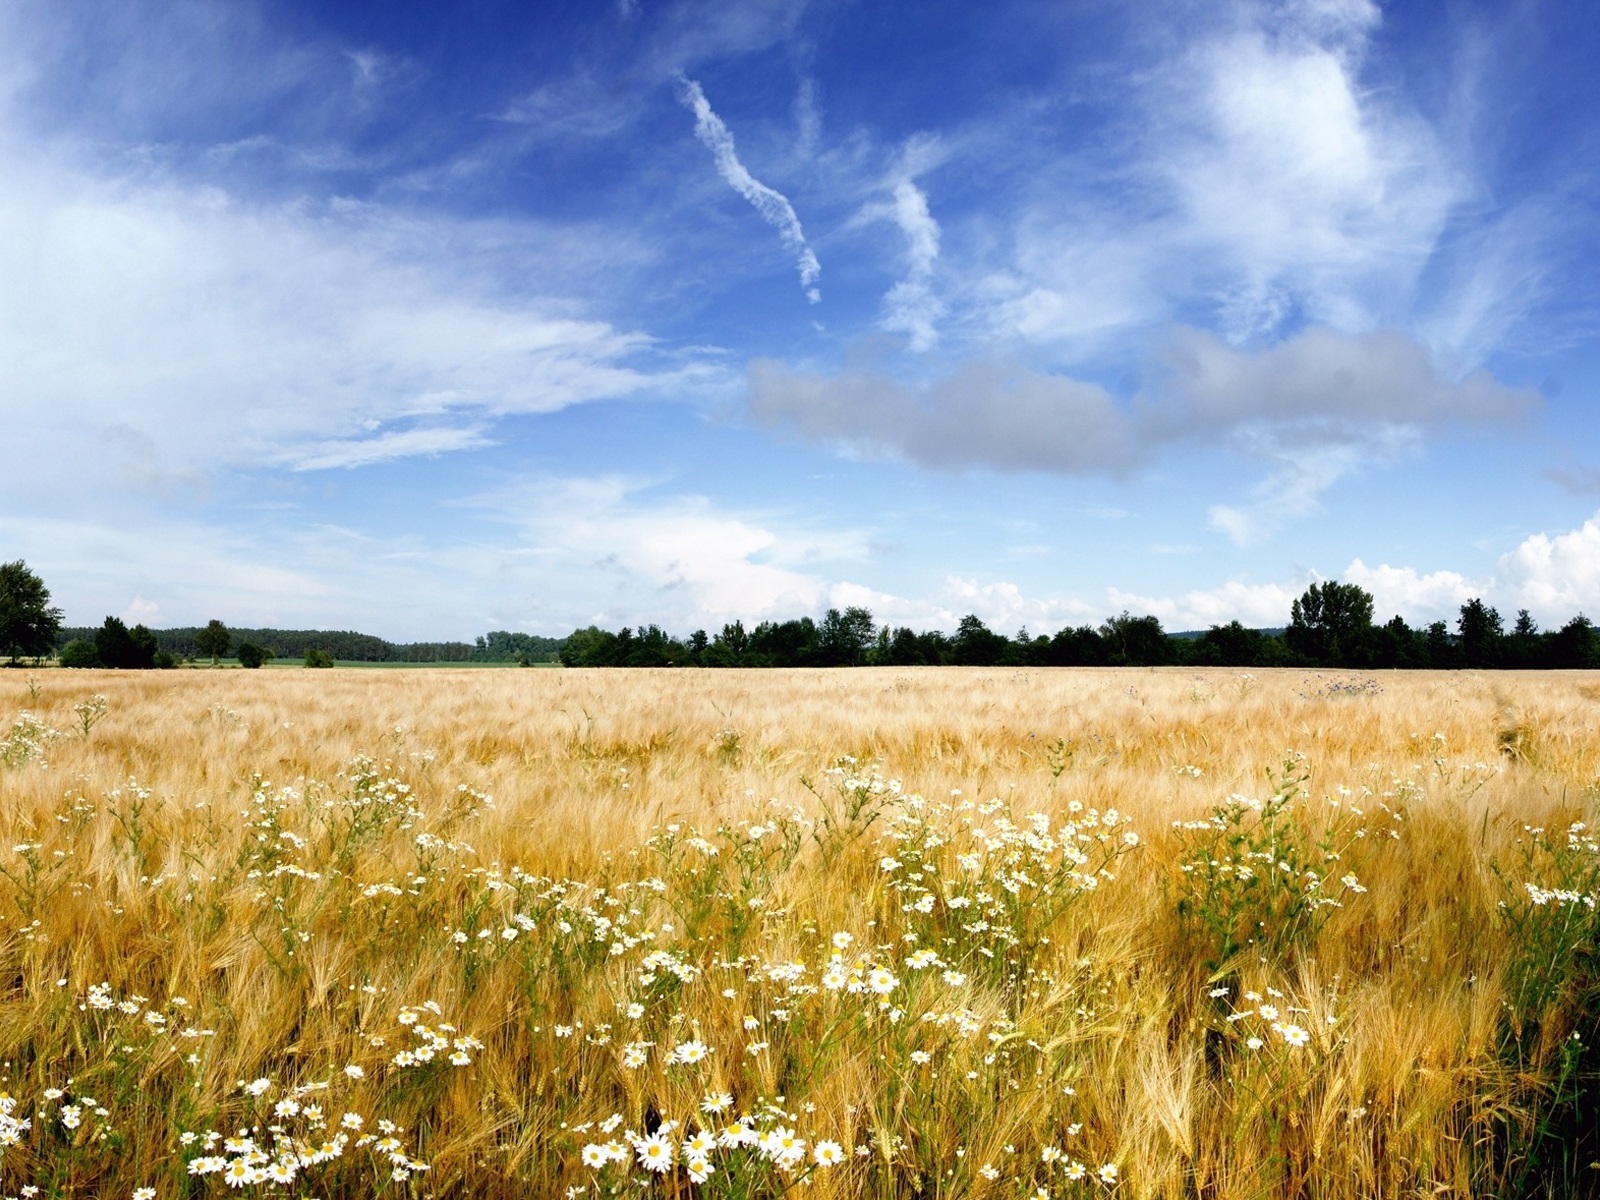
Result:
[{"x": 873, "y": 933}]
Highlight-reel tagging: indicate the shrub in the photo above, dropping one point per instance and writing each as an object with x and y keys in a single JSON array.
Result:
[
  {"x": 252, "y": 655},
  {"x": 79, "y": 653},
  {"x": 318, "y": 658}
]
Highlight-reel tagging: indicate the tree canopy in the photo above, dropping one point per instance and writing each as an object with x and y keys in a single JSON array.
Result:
[
  {"x": 1330, "y": 621},
  {"x": 214, "y": 640},
  {"x": 129, "y": 649},
  {"x": 28, "y": 625}
]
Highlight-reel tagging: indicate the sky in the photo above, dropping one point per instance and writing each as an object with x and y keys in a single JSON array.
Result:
[{"x": 426, "y": 320}]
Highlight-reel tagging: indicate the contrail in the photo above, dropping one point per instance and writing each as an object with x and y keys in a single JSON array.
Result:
[
  {"x": 913, "y": 308},
  {"x": 773, "y": 206}
]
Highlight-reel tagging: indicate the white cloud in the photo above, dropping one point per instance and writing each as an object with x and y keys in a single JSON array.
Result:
[
  {"x": 547, "y": 555},
  {"x": 807, "y": 119},
  {"x": 1002, "y": 606},
  {"x": 1498, "y": 275},
  {"x": 1419, "y": 597},
  {"x": 1336, "y": 21},
  {"x": 773, "y": 206},
  {"x": 361, "y": 452},
  {"x": 1556, "y": 577},
  {"x": 141, "y": 612},
  {"x": 624, "y": 556},
  {"x": 1257, "y": 606},
  {"x": 1005, "y": 607},
  {"x": 886, "y": 607},
  {"x": 219, "y": 331},
  {"x": 189, "y": 570},
  {"x": 579, "y": 107},
  {"x": 174, "y": 309},
  {"x": 1316, "y": 192},
  {"x": 1260, "y": 168},
  {"x": 1294, "y": 487},
  {"x": 1553, "y": 576},
  {"x": 910, "y": 306},
  {"x": 1319, "y": 406}
]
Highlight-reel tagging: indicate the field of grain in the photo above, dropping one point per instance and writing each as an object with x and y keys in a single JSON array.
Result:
[{"x": 871, "y": 933}]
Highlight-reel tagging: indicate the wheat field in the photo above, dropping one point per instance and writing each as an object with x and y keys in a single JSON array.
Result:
[{"x": 869, "y": 933}]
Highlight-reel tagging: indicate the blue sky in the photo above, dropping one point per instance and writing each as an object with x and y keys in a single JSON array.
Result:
[{"x": 426, "y": 320}]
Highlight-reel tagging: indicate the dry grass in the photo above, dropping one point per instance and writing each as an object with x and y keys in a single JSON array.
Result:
[{"x": 208, "y": 838}]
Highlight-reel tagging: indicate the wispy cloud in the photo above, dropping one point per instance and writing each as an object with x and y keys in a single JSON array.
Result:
[
  {"x": 773, "y": 206},
  {"x": 1308, "y": 186},
  {"x": 807, "y": 119},
  {"x": 1292, "y": 489},
  {"x": 625, "y": 553},
  {"x": 577, "y": 107},
  {"x": 406, "y": 443},
  {"x": 212, "y": 330},
  {"x": 1256, "y": 170},
  {"x": 910, "y": 306},
  {"x": 1576, "y": 478}
]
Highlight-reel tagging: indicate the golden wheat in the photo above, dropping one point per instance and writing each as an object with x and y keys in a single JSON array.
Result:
[{"x": 938, "y": 932}]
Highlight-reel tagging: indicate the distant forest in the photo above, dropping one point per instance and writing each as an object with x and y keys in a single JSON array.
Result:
[
  {"x": 348, "y": 646},
  {"x": 1330, "y": 625}
]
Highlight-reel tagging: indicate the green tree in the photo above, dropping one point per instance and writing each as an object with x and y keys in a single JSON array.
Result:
[
  {"x": 1331, "y": 623},
  {"x": 1575, "y": 644},
  {"x": 128, "y": 649},
  {"x": 214, "y": 640},
  {"x": 1231, "y": 645},
  {"x": 1398, "y": 645},
  {"x": 590, "y": 646},
  {"x": 79, "y": 652},
  {"x": 727, "y": 648},
  {"x": 1524, "y": 644},
  {"x": 843, "y": 637},
  {"x": 1482, "y": 636},
  {"x": 28, "y": 625},
  {"x": 1078, "y": 647},
  {"x": 782, "y": 644},
  {"x": 698, "y": 641},
  {"x": 1440, "y": 649},
  {"x": 1136, "y": 641},
  {"x": 318, "y": 658},
  {"x": 904, "y": 649},
  {"x": 251, "y": 655},
  {"x": 976, "y": 645}
]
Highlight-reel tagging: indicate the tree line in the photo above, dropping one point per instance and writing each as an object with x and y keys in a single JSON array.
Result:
[
  {"x": 1330, "y": 625},
  {"x": 189, "y": 643},
  {"x": 31, "y": 627}
]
